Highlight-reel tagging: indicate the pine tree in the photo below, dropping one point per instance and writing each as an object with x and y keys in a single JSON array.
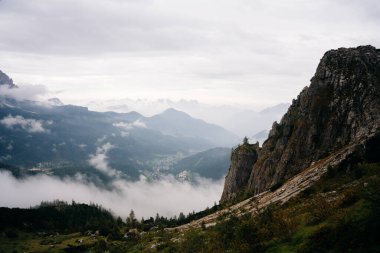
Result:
[
  {"x": 131, "y": 220},
  {"x": 119, "y": 222},
  {"x": 181, "y": 217}
]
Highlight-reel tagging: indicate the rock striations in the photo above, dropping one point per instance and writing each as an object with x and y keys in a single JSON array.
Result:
[{"x": 340, "y": 107}]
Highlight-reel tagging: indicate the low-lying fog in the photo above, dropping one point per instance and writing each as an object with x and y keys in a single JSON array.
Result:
[{"x": 167, "y": 196}]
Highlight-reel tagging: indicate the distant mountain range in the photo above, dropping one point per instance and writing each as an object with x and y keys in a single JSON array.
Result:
[
  {"x": 242, "y": 122},
  {"x": 212, "y": 163},
  {"x": 58, "y": 139}
]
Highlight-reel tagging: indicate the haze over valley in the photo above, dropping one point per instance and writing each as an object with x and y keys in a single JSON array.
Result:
[
  {"x": 118, "y": 152},
  {"x": 93, "y": 155}
]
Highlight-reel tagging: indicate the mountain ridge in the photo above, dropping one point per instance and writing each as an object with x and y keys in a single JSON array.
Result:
[
  {"x": 56, "y": 138},
  {"x": 340, "y": 106},
  {"x": 183, "y": 125}
]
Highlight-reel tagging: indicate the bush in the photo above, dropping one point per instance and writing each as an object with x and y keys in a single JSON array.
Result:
[
  {"x": 308, "y": 191},
  {"x": 331, "y": 172},
  {"x": 276, "y": 185},
  {"x": 349, "y": 198},
  {"x": 11, "y": 234}
]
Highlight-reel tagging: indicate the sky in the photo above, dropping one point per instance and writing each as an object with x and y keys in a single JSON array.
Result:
[{"x": 253, "y": 53}]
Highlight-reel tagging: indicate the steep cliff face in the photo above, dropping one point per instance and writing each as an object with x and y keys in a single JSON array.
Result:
[
  {"x": 340, "y": 107},
  {"x": 242, "y": 160}
]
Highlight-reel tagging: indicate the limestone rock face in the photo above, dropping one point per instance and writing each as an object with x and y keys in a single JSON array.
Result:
[
  {"x": 242, "y": 160},
  {"x": 341, "y": 106}
]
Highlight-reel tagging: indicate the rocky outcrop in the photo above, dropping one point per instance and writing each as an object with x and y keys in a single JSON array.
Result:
[
  {"x": 5, "y": 80},
  {"x": 366, "y": 149},
  {"x": 340, "y": 107},
  {"x": 242, "y": 160}
]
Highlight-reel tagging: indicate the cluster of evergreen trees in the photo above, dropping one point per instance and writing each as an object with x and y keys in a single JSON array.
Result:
[
  {"x": 60, "y": 216},
  {"x": 160, "y": 222},
  {"x": 57, "y": 216}
]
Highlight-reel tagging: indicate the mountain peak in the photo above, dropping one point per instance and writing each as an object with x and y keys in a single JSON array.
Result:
[
  {"x": 55, "y": 102},
  {"x": 340, "y": 108},
  {"x": 171, "y": 112},
  {"x": 6, "y": 80},
  {"x": 178, "y": 123}
]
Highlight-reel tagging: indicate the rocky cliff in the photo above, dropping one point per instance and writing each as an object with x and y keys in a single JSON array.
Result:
[
  {"x": 242, "y": 160},
  {"x": 339, "y": 108},
  {"x": 5, "y": 80}
]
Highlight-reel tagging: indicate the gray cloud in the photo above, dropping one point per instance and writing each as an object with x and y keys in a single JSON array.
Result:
[
  {"x": 167, "y": 196},
  {"x": 24, "y": 92},
  {"x": 128, "y": 126},
  {"x": 29, "y": 125},
  {"x": 222, "y": 52},
  {"x": 88, "y": 27},
  {"x": 125, "y": 127},
  {"x": 99, "y": 160}
]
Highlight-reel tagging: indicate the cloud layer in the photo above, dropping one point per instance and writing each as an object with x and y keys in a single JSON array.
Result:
[
  {"x": 168, "y": 197},
  {"x": 24, "y": 92},
  {"x": 99, "y": 160},
  {"x": 125, "y": 127},
  {"x": 29, "y": 125},
  {"x": 250, "y": 52}
]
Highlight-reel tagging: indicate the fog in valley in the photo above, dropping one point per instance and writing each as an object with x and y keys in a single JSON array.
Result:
[{"x": 167, "y": 196}]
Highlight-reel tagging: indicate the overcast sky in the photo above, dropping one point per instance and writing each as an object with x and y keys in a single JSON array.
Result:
[{"x": 251, "y": 52}]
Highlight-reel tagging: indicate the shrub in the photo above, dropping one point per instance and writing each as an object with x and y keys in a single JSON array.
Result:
[
  {"x": 331, "y": 172},
  {"x": 11, "y": 234},
  {"x": 276, "y": 185}
]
